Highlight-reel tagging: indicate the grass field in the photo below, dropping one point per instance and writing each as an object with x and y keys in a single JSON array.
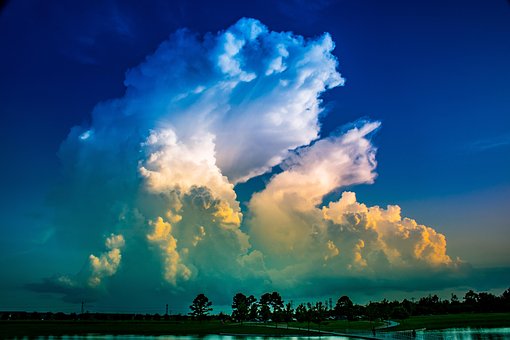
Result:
[
  {"x": 340, "y": 326},
  {"x": 58, "y": 328},
  {"x": 455, "y": 321}
]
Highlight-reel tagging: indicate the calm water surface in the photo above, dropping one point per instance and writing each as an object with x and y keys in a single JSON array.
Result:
[
  {"x": 466, "y": 333},
  {"x": 449, "y": 334},
  {"x": 174, "y": 337}
]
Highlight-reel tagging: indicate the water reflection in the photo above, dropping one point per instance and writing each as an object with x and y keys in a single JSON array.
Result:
[
  {"x": 450, "y": 334},
  {"x": 466, "y": 333},
  {"x": 174, "y": 337}
]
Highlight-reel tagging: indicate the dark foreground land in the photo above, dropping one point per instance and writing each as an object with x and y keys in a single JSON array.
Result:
[
  {"x": 30, "y": 328},
  {"x": 10, "y": 329}
]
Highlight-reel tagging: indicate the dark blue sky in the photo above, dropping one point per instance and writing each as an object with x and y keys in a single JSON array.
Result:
[{"x": 435, "y": 73}]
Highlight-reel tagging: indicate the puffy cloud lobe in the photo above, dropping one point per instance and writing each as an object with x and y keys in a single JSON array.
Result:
[
  {"x": 107, "y": 263},
  {"x": 162, "y": 236},
  {"x": 209, "y": 236},
  {"x": 171, "y": 163},
  {"x": 403, "y": 241}
]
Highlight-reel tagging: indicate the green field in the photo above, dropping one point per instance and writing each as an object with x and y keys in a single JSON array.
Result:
[
  {"x": 57, "y": 328},
  {"x": 455, "y": 321},
  {"x": 339, "y": 326}
]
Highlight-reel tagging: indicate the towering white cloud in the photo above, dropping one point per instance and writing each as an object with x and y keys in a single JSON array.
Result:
[
  {"x": 256, "y": 92},
  {"x": 157, "y": 168}
]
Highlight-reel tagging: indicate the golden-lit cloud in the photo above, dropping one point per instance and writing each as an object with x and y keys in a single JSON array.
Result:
[
  {"x": 108, "y": 262},
  {"x": 403, "y": 241},
  {"x": 290, "y": 224},
  {"x": 162, "y": 237}
]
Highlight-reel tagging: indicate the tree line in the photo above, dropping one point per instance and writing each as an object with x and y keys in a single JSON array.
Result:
[{"x": 271, "y": 307}]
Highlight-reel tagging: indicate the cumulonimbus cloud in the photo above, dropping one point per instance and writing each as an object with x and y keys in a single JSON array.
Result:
[{"x": 157, "y": 169}]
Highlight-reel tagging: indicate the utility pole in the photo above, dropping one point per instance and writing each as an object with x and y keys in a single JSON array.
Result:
[
  {"x": 166, "y": 313},
  {"x": 82, "y": 307}
]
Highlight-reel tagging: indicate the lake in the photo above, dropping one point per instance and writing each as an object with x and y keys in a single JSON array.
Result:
[{"x": 450, "y": 334}]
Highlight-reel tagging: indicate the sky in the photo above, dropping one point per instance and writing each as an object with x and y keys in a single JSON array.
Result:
[{"x": 155, "y": 151}]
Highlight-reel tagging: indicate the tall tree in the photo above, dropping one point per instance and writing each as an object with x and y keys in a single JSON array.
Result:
[
  {"x": 288, "y": 312},
  {"x": 254, "y": 309},
  {"x": 276, "y": 303},
  {"x": 301, "y": 313},
  {"x": 200, "y": 307},
  {"x": 265, "y": 310},
  {"x": 344, "y": 307},
  {"x": 242, "y": 307},
  {"x": 304, "y": 314},
  {"x": 271, "y": 307},
  {"x": 319, "y": 313}
]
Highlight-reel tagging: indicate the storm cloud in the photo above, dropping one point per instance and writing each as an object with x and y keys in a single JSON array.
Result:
[{"x": 154, "y": 172}]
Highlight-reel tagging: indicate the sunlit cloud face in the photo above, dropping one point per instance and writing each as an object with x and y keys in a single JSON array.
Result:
[
  {"x": 156, "y": 171},
  {"x": 107, "y": 263}
]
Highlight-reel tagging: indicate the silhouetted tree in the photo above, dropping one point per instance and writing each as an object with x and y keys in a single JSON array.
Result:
[
  {"x": 288, "y": 312},
  {"x": 487, "y": 302},
  {"x": 264, "y": 309},
  {"x": 471, "y": 297},
  {"x": 358, "y": 311},
  {"x": 318, "y": 313},
  {"x": 301, "y": 313},
  {"x": 344, "y": 307},
  {"x": 505, "y": 299},
  {"x": 241, "y": 306},
  {"x": 429, "y": 304},
  {"x": 271, "y": 306},
  {"x": 506, "y": 295},
  {"x": 276, "y": 304},
  {"x": 399, "y": 312},
  {"x": 200, "y": 307},
  {"x": 371, "y": 311},
  {"x": 304, "y": 313},
  {"x": 254, "y": 310},
  {"x": 408, "y": 306},
  {"x": 470, "y": 301}
]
